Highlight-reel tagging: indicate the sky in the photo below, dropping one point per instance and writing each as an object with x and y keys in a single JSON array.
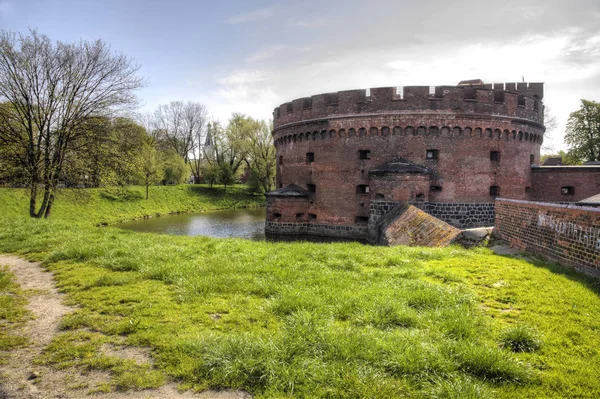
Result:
[{"x": 251, "y": 56}]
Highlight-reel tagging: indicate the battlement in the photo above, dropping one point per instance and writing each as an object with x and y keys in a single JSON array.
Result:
[{"x": 518, "y": 100}]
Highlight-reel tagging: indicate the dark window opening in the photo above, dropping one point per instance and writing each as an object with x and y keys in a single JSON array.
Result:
[
  {"x": 361, "y": 220},
  {"x": 469, "y": 93},
  {"x": 494, "y": 191},
  {"x": 379, "y": 196},
  {"x": 289, "y": 108},
  {"x": 311, "y": 188},
  {"x": 536, "y": 105},
  {"x": 499, "y": 96},
  {"x": 276, "y": 216},
  {"x": 280, "y": 160},
  {"x": 567, "y": 190},
  {"x": 527, "y": 190},
  {"x": 432, "y": 154},
  {"x": 312, "y": 216},
  {"x": 362, "y": 189},
  {"x": 364, "y": 154},
  {"x": 420, "y": 197},
  {"x": 299, "y": 216},
  {"x": 521, "y": 101},
  {"x": 495, "y": 156},
  {"x": 531, "y": 159},
  {"x": 435, "y": 188},
  {"x": 310, "y": 157}
]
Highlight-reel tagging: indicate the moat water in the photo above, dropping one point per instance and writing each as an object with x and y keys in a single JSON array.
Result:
[{"x": 235, "y": 223}]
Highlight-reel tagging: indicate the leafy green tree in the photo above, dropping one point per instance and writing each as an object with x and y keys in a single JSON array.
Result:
[
  {"x": 261, "y": 157},
  {"x": 150, "y": 171},
  {"x": 583, "y": 131},
  {"x": 210, "y": 173},
  {"x": 174, "y": 168},
  {"x": 52, "y": 88},
  {"x": 226, "y": 175}
]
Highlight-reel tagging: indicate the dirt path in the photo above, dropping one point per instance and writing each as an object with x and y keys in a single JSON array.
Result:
[{"x": 22, "y": 379}]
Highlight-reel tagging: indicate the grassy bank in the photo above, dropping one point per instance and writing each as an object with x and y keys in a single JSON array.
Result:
[
  {"x": 112, "y": 205},
  {"x": 311, "y": 320}
]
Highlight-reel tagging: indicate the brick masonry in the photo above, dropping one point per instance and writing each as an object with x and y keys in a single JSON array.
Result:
[
  {"x": 566, "y": 234},
  {"x": 547, "y": 182},
  {"x": 319, "y": 141}
]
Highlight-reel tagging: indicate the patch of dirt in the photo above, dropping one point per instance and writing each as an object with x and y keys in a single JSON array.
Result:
[{"x": 21, "y": 378}]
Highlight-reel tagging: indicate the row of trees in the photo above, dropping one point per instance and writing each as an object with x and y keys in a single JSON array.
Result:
[{"x": 61, "y": 108}]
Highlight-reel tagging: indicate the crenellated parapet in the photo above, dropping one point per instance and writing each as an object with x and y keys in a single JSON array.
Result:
[{"x": 521, "y": 101}]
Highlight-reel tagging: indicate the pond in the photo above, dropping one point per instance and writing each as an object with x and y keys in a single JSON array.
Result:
[{"x": 238, "y": 223}]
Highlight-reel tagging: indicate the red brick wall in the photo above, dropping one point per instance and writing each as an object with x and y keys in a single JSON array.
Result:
[
  {"x": 547, "y": 182},
  {"x": 567, "y": 234},
  {"x": 463, "y": 124}
]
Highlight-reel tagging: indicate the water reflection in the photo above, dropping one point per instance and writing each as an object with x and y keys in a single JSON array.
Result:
[{"x": 236, "y": 223}]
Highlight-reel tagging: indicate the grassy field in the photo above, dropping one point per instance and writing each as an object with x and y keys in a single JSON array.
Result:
[{"x": 303, "y": 319}]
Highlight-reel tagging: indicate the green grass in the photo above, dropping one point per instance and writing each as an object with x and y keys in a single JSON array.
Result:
[
  {"x": 12, "y": 314},
  {"x": 340, "y": 320}
]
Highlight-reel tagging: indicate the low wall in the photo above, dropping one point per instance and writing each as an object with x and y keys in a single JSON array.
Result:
[
  {"x": 358, "y": 232},
  {"x": 564, "y": 233}
]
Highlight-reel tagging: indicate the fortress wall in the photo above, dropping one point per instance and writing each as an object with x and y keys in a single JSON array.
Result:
[
  {"x": 548, "y": 181},
  {"x": 563, "y": 233},
  {"x": 522, "y": 100}
]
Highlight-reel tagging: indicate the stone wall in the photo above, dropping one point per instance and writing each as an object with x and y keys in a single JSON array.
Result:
[
  {"x": 357, "y": 232},
  {"x": 564, "y": 233},
  {"x": 463, "y": 215}
]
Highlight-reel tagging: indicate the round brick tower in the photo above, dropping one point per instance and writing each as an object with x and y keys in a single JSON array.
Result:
[{"x": 448, "y": 149}]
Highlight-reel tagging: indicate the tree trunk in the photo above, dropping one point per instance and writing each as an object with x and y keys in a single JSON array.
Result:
[{"x": 32, "y": 197}]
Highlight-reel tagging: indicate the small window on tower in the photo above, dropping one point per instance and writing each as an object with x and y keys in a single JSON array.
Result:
[
  {"x": 495, "y": 156},
  {"x": 312, "y": 216},
  {"x": 494, "y": 191},
  {"x": 361, "y": 219},
  {"x": 310, "y": 157},
  {"x": 280, "y": 160},
  {"x": 364, "y": 154},
  {"x": 311, "y": 188},
  {"x": 567, "y": 190},
  {"x": 531, "y": 159},
  {"x": 435, "y": 188},
  {"x": 362, "y": 189},
  {"x": 432, "y": 155}
]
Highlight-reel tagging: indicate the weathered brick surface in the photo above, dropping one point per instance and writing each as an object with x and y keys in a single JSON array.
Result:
[
  {"x": 547, "y": 182},
  {"x": 406, "y": 224},
  {"x": 463, "y": 124},
  {"x": 565, "y": 233}
]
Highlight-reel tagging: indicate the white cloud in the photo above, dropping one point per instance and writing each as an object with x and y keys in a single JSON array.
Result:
[{"x": 250, "y": 16}]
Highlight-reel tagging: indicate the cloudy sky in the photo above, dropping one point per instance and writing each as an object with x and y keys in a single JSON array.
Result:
[{"x": 250, "y": 56}]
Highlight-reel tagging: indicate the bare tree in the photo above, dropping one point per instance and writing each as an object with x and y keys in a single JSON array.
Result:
[
  {"x": 182, "y": 126},
  {"x": 48, "y": 90}
]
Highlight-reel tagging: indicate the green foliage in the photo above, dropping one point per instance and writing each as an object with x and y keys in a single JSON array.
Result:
[
  {"x": 520, "y": 338},
  {"x": 225, "y": 175},
  {"x": 174, "y": 168},
  {"x": 583, "y": 131}
]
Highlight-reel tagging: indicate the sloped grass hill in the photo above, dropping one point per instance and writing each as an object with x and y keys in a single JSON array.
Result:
[{"x": 340, "y": 320}]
